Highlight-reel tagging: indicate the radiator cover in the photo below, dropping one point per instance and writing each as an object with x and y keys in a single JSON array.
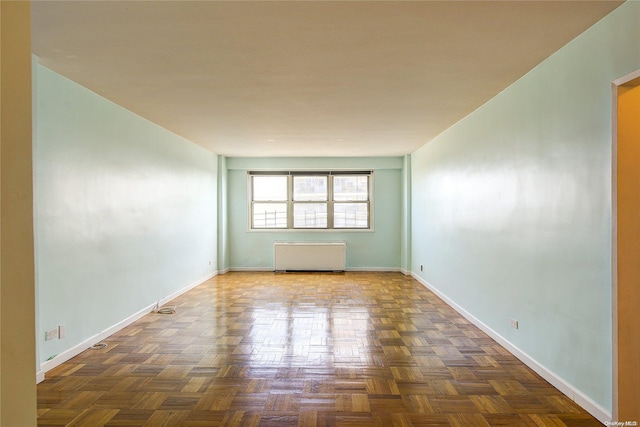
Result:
[{"x": 308, "y": 256}]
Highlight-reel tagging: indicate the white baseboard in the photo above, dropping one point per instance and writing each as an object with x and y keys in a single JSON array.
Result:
[
  {"x": 82, "y": 346},
  {"x": 250, "y": 269},
  {"x": 185, "y": 289},
  {"x": 39, "y": 376},
  {"x": 600, "y": 413},
  {"x": 363, "y": 269},
  {"x": 79, "y": 348},
  {"x": 225, "y": 271}
]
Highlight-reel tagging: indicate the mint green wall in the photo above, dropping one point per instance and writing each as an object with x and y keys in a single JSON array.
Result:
[
  {"x": 511, "y": 207},
  {"x": 378, "y": 249},
  {"x": 125, "y": 212}
]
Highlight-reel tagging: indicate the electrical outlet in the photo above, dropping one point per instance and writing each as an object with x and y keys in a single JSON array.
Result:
[
  {"x": 50, "y": 335},
  {"x": 421, "y": 267},
  {"x": 62, "y": 331},
  {"x": 514, "y": 323}
]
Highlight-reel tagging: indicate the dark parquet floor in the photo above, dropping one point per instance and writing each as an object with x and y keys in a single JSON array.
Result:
[{"x": 307, "y": 349}]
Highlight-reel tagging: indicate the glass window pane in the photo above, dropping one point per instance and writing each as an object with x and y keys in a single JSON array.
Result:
[
  {"x": 309, "y": 188},
  {"x": 351, "y": 188},
  {"x": 351, "y": 215},
  {"x": 269, "y": 215},
  {"x": 310, "y": 215},
  {"x": 269, "y": 188}
]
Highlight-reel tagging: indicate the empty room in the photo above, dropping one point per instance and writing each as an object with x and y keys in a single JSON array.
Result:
[{"x": 320, "y": 213}]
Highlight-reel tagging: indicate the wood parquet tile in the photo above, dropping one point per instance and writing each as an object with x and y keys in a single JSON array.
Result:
[{"x": 308, "y": 349}]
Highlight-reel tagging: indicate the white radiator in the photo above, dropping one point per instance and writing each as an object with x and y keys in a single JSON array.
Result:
[{"x": 306, "y": 256}]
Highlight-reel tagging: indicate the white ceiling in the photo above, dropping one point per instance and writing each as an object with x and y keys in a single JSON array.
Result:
[{"x": 304, "y": 78}]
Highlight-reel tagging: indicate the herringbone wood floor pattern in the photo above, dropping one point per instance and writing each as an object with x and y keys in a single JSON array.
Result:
[{"x": 265, "y": 349}]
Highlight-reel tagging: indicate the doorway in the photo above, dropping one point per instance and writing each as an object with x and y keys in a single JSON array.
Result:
[{"x": 626, "y": 247}]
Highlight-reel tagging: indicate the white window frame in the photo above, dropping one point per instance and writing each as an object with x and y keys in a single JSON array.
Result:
[{"x": 330, "y": 202}]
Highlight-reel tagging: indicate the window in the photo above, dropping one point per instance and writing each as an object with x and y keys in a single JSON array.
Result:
[
  {"x": 351, "y": 201},
  {"x": 310, "y": 200},
  {"x": 270, "y": 202}
]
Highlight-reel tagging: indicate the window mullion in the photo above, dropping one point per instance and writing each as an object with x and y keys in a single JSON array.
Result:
[
  {"x": 290, "y": 201},
  {"x": 330, "y": 201}
]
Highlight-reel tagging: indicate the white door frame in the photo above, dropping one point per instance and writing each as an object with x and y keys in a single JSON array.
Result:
[{"x": 614, "y": 232}]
